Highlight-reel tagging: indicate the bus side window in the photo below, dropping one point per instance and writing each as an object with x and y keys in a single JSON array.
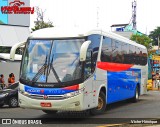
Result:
[
  {"x": 144, "y": 57},
  {"x": 138, "y": 56},
  {"x": 94, "y": 47},
  {"x": 131, "y": 54},
  {"x": 88, "y": 64},
  {"x": 124, "y": 52},
  {"x": 106, "y": 53},
  {"x": 116, "y": 51},
  {"x": 94, "y": 56}
]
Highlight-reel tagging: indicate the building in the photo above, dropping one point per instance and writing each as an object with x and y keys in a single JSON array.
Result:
[
  {"x": 14, "y": 28},
  {"x": 14, "y": 25}
]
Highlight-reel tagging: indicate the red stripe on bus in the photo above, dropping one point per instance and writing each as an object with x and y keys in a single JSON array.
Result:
[
  {"x": 75, "y": 87},
  {"x": 113, "y": 67}
]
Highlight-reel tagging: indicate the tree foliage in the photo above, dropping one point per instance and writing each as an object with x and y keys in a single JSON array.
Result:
[
  {"x": 141, "y": 39},
  {"x": 40, "y": 23},
  {"x": 154, "y": 35}
]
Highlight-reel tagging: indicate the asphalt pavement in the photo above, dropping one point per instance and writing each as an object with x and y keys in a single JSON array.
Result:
[{"x": 117, "y": 114}]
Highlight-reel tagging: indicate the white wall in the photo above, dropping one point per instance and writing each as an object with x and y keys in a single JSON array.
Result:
[{"x": 10, "y": 35}]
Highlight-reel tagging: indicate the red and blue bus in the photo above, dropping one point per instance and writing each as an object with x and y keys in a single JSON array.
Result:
[{"x": 76, "y": 70}]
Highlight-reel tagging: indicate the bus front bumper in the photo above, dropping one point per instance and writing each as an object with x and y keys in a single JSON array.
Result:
[{"x": 70, "y": 104}]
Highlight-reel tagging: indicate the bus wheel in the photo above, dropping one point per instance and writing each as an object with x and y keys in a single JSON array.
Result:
[
  {"x": 50, "y": 111},
  {"x": 101, "y": 105},
  {"x": 136, "y": 96}
]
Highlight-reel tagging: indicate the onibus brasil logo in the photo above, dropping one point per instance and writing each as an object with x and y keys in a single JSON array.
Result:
[{"x": 17, "y": 7}]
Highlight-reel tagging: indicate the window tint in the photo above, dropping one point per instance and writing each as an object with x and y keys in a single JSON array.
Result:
[
  {"x": 94, "y": 48},
  {"x": 88, "y": 64},
  {"x": 144, "y": 57},
  {"x": 132, "y": 54},
  {"x": 137, "y": 61},
  {"x": 125, "y": 51},
  {"x": 116, "y": 51},
  {"x": 106, "y": 54},
  {"x": 120, "y": 52},
  {"x": 125, "y": 48}
]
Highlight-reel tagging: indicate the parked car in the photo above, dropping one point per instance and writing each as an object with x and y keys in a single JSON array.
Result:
[{"x": 9, "y": 96}]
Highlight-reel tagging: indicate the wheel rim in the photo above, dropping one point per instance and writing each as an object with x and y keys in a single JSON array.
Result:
[
  {"x": 14, "y": 102},
  {"x": 100, "y": 103}
]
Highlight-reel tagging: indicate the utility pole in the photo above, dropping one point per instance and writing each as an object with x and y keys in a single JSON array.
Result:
[{"x": 134, "y": 15}]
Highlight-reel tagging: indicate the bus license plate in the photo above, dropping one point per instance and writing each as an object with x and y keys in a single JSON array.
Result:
[{"x": 46, "y": 104}]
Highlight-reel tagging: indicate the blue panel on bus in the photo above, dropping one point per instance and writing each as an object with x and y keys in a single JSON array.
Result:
[
  {"x": 46, "y": 91},
  {"x": 122, "y": 85}
]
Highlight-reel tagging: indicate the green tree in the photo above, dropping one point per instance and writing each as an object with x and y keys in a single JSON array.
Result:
[
  {"x": 154, "y": 35},
  {"x": 40, "y": 23},
  {"x": 141, "y": 39}
]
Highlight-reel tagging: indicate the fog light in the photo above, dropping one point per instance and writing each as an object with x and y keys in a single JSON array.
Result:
[
  {"x": 77, "y": 103},
  {"x": 25, "y": 93}
]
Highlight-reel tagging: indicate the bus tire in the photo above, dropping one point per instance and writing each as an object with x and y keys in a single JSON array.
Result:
[
  {"x": 101, "y": 104},
  {"x": 50, "y": 111},
  {"x": 136, "y": 96}
]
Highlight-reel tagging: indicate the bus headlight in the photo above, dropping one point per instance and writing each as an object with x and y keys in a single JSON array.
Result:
[{"x": 75, "y": 93}]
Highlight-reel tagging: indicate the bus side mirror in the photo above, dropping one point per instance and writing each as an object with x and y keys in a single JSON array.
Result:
[
  {"x": 83, "y": 50},
  {"x": 13, "y": 49}
]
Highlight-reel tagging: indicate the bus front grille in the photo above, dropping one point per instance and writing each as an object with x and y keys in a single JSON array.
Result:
[{"x": 47, "y": 97}]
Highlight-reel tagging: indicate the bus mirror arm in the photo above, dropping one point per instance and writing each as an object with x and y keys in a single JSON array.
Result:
[
  {"x": 13, "y": 49},
  {"x": 83, "y": 50}
]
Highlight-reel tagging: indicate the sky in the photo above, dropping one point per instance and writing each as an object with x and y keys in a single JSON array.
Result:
[
  {"x": 3, "y": 18},
  {"x": 83, "y": 13}
]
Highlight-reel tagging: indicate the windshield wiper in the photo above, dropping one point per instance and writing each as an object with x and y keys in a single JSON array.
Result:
[
  {"x": 55, "y": 74},
  {"x": 53, "y": 70},
  {"x": 25, "y": 81},
  {"x": 40, "y": 72}
]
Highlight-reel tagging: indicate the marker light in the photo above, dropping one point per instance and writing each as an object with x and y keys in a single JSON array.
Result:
[{"x": 75, "y": 93}]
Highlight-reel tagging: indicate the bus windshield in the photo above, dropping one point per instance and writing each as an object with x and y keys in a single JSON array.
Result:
[{"x": 52, "y": 61}]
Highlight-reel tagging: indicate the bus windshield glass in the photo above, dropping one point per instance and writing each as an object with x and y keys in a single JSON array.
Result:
[{"x": 52, "y": 61}]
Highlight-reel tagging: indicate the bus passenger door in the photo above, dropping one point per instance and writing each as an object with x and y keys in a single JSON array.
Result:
[
  {"x": 88, "y": 77},
  {"x": 99, "y": 81}
]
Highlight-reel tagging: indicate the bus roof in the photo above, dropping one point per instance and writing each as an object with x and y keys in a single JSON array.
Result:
[
  {"x": 71, "y": 32},
  {"x": 6, "y": 56}
]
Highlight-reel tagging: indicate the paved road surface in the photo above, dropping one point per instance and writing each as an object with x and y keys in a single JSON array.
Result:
[{"x": 147, "y": 107}]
